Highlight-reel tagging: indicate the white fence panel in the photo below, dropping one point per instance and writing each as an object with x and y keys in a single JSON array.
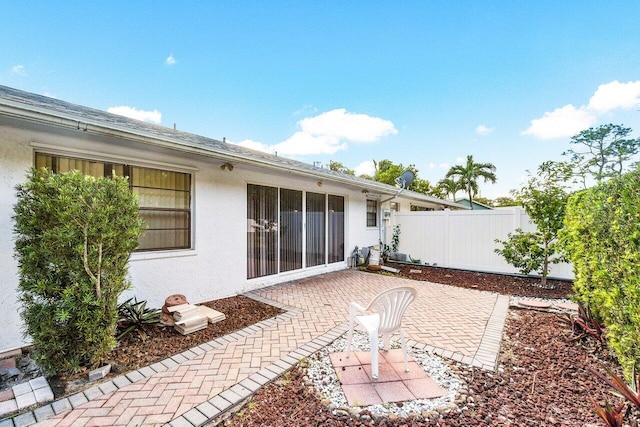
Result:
[{"x": 464, "y": 239}]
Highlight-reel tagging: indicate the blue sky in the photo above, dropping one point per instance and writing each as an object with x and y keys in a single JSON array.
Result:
[{"x": 423, "y": 83}]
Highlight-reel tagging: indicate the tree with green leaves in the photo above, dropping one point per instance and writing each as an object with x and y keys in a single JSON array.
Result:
[
  {"x": 504, "y": 201},
  {"x": 469, "y": 174},
  {"x": 387, "y": 172},
  {"x": 544, "y": 198},
  {"x": 484, "y": 200},
  {"x": 602, "y": 152},
  {"x": 450, "y": 186},
  {"x": 74, "y": 236},
  {"x": 339, "y": 167}
]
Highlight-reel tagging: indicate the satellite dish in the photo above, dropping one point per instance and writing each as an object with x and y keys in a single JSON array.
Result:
[{"x": 406, "y": 179}]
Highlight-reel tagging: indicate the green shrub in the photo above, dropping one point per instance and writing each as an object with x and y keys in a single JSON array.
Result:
[
  {"x": 74, "y": 236},
  {"x": 134, "y": 315},
  {"x": 602, "y": 239}
]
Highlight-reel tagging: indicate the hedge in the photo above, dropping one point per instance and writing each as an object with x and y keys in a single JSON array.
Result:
[{"x": 601, "y": 238}]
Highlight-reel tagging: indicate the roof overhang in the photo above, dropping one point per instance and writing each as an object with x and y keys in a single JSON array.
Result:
[{"x": 170, "y": 140}]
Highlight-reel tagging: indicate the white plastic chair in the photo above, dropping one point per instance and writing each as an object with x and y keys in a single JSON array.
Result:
[{"x": 389, "y": 306}]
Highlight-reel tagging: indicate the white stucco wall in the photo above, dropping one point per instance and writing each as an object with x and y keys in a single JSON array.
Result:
[
  {"x": 214, "y": 268},
  {"x": 15, "y": 159}
]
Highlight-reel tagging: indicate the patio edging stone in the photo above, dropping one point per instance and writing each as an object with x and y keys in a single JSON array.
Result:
[{"x": 44, "y": 412}]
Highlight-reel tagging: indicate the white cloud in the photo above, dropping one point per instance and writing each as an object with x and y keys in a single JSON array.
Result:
[
  {"x": 328, "y": 133},
  {"x": 171, "y": 60},
  {"x": 148, "y": 116},
  {"x": 344, "y": 125},
  {"x": 569, "y": 120},
  {"x": 18, "y": 69},
  {"x": 483, "y": 130},
  {"x": 365, "y": 168},
  {"x": 615, "y": 95},
  {"x": 461, "y": 160},
  {"x": 561, "y": 122},
  {"x": 255, "y": 145},
  {"x": 303, "y": 143}
]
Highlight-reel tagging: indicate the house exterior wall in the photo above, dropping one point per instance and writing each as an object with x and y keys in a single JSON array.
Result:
[{"x": 216, "y": 265}]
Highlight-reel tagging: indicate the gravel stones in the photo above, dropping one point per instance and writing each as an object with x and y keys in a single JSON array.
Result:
[{"x": 321, "y": 373}]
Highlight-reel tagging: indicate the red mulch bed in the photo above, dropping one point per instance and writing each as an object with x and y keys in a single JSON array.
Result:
[
  {"x": 133, "y": 352},
  {"x": 544, "y": 378},
  {"x": 501, "y": 283}
]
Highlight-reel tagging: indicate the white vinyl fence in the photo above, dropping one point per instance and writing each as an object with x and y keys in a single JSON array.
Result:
[{"x": 463, "y": 239}]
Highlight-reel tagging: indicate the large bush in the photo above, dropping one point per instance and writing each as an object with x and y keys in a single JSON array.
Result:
[
  {"x": 602, "y": 239},
  {"x": 74, "y": 236}
]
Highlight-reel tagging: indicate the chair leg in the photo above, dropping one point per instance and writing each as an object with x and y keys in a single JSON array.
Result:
[
  {"x": 386, "y": 342},
  {"x": 350, "y": 337},
  {"x": 373, "y": 338},
  {"x": 404, "y": 351}
]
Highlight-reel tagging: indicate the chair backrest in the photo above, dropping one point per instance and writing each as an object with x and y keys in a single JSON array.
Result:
[{"x": 391, "y": 305}]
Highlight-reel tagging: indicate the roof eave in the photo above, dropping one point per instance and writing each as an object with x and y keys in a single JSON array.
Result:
[{"x": 44, "y": 116}]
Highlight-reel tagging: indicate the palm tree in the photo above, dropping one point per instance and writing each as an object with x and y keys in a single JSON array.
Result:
[
  {"x": 450, "y": 186},
  {"x": 469, "y": 174}
]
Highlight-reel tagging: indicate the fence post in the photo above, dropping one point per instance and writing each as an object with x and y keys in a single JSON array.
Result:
[
  {"x": 517, "y": 217},
  {"x": 445, "y": 244}
]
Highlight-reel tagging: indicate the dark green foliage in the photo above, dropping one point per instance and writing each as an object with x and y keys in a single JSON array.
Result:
[
  {"x": 468, "y": 175},
  {"x": 134, "y": 315},
  {"x": 602, "y": 152},
  {"x": 395, "y": 240},
  {"x": 602, "y": 239},
  {"x": 74, "y": 236},
  {"x": 387, "y": 172},
  {"x": 544, "y": 198},
  {"x": 523, "y": 251},
  {"x": 339, "y": 167},
  {"x": 450, "y": 186}
]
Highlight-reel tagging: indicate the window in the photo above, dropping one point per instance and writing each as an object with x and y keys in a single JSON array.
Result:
[
  {"x": 164, "y": 197},
  {"x": 372, "y": 213},
  {"x": 420, "y": 209},
  {"x": 395, "y": 206},
  {"x": 276, "y": 221}
]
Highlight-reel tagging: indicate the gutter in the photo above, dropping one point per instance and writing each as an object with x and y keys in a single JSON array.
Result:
[{"x": 165, "y": 140}]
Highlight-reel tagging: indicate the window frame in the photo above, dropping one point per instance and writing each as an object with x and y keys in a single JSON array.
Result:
[
  {"x": 109, "y": 165},
  {"x": 372, "y": 214}
]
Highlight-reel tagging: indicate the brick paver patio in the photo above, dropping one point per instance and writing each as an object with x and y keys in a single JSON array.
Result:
[{"x": 198, "y": 385}]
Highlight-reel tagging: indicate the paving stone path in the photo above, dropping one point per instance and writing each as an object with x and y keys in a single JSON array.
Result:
[{"x": 200, "y": 384}]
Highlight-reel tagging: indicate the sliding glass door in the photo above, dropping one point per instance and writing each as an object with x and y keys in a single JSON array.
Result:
[
  {"x": 315, "y": 229},
  {"x": 262, "y": 231},
  {"x": 290, "y": 230},
  {"x": 336, "y": 228}
]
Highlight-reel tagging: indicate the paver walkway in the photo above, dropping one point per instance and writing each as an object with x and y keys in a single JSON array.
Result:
[{"x": 199, "y": 384}]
